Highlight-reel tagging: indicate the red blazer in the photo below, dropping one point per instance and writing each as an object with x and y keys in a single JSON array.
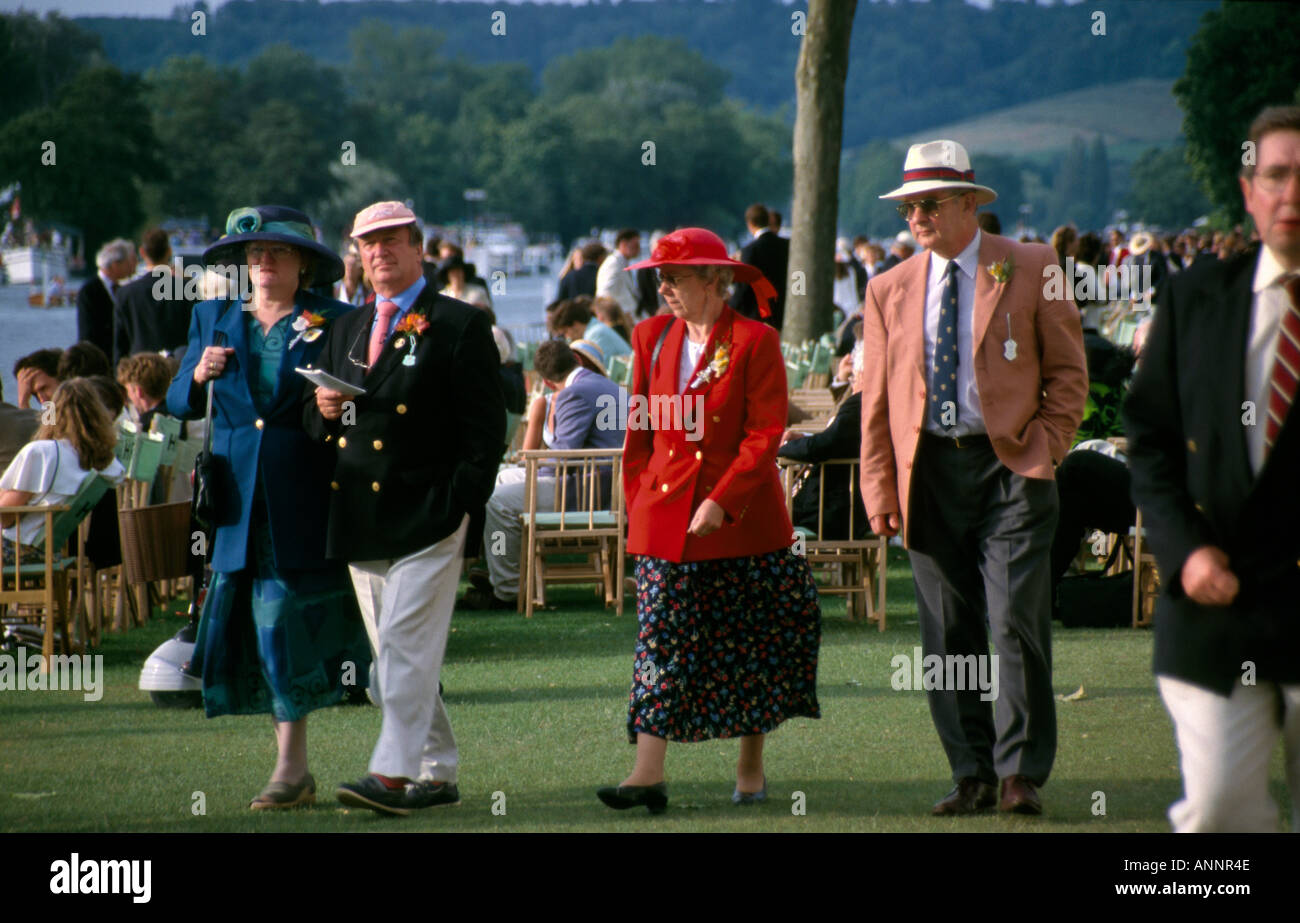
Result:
[{"x": 728, "y": 455}]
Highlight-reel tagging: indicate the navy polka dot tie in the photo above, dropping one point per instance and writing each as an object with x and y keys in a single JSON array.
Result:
[{"x": 943, "y": 372}]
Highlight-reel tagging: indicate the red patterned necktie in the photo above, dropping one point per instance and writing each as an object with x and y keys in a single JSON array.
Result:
[
  {"x": 1286, "y": 368},
  {"x": 384, "y": 312}
]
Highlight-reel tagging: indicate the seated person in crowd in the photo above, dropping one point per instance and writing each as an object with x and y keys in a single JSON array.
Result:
[
  {"x": 842, "y": 438},
  {"x": 37, "y": 375},
  {"x": 16, "y": 427},
  {"x": 607, "y": 311},
  {"x": 579, "y": 409},
  {"x": 573, "y": 320},
  {"x": 49, "y": 469},
  {"x": 82, "y": 360},
  {"x": 145, "y": 377}
]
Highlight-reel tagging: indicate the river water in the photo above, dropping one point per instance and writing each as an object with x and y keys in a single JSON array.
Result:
[{"x": 24, "y": 329}]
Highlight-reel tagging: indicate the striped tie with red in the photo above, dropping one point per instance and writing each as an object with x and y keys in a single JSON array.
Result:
[{"x": 1286, "y": 368}]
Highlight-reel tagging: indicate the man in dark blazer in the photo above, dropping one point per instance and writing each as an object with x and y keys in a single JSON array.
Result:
[
  {"x": 115, "y": 263},
  {"x": 770, "y": 253},
  {"x": 581, "y": 280},
  {"x": 842, "y": 438},
  {"x": 417, "y": 457},
  {"x": 1214, "y": 456},
  {"x": 143, "y": 322}
]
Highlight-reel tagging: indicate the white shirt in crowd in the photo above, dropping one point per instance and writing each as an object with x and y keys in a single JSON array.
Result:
[
  {"x": 613, "y": 282},
  {"x": 50, "y": 471}
]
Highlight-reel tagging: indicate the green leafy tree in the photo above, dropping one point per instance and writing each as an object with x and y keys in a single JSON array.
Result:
[
  {"x": 1244, "y": 57},
  {"x": 1097, "y": 214},
  {"x": 1164, "y": 192},
  {"x": 874, "y": 170},
  {"x": 38, "y": 56},
  {"x": 100, "y": 139}
]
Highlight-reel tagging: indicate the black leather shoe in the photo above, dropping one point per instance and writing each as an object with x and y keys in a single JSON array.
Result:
[
  {"x": 477, "y": 600},
  {"x": 622, "y": 797},
  {"x": 375, "y": 795},
  {"x": 971, "y": 796},
  {"x": 429, "y": 794}
]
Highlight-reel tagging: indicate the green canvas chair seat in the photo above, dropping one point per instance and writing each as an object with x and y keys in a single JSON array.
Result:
[{"x": 572, "y": 520}]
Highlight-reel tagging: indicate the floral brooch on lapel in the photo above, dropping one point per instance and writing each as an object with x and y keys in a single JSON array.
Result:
[
  {"x": 717, "y": 367},
  {"x": 309, "y": 326},
  {"x": 410, "y": 327},
  {"x": 1001, "y": 272}
]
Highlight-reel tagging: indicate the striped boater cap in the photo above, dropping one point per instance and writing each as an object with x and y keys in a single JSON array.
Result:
[{"x": 938, "y": 165}]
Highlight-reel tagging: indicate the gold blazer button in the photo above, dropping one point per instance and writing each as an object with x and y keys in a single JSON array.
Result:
[
  {"x": 379, "y": 445},
  {"x": 375, "y": 487},
  {"x": 259, "y": 424},
  {"x": 699, "y": 455},
  {"x": 343, "y": 442},
  {"x": 664, "y": 488},
  {"x": 334, "y": 485},
  {"x": 1191, "y": 445},
  {"x": 401, "y": 408}
]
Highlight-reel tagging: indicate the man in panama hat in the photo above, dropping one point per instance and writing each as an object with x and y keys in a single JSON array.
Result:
[{"x": 975, "y": 383}]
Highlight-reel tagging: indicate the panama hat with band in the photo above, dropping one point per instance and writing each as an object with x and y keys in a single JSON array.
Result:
[
  {"x": 277, "y": 224},
  {"x": 700, "y": 247},
  {"x": 936, "y": 166},
  {"x": 1140, "y": 243}
]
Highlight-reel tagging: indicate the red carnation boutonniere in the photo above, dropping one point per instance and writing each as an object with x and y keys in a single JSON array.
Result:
[
  {"x": 410, "y": 327},
  {"x": 309, "y": 326}
]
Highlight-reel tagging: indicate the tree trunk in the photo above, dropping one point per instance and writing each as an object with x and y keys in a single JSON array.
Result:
[{"x": 818, "y": 129}]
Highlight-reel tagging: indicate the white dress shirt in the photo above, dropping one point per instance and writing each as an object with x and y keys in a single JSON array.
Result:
[
  {"x": 1269, "y": 303},
  {"x": 970, "y": 416}
]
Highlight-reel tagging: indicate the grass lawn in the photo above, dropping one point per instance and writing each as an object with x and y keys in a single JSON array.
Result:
[{"x": 539, "y": 709}]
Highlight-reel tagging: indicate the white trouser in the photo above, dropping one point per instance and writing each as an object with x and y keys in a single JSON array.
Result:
[
  {"x": 502, "y": 529},
  {"x": 1225, "y": 744},
  {"x": 406, "y": 604}
]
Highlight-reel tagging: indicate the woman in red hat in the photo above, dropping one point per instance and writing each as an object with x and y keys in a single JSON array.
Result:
[{"x": 728, "y": 613}]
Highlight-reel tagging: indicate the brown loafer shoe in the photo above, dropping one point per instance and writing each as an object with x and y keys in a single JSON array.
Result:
[
  {"x": 1019, "y": 796},
  {"x": 971, "y": 796}
]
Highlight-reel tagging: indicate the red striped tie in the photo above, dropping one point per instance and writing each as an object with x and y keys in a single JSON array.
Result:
[{"x": 1286, "y": 368}]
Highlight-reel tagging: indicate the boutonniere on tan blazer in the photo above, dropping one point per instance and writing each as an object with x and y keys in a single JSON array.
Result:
[{"x": 1001, "y": 271}]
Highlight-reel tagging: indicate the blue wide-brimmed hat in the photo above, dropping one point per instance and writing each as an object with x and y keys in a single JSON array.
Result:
[{"x": 277, "y": 223}]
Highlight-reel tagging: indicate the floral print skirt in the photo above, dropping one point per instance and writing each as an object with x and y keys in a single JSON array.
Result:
[{"x": 726, "y": 647}]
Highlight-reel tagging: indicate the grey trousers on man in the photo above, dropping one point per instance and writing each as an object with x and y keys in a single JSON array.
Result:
[{"x": 980, "y": 542}]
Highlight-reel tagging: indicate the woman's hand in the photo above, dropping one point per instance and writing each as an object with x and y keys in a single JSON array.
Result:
[
  {"x": 708, "y": 518},
  {"x": 212, "y": 363}
]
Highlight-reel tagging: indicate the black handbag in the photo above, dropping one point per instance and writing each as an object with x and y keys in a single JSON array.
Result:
[{"x": 206, "y": 504}]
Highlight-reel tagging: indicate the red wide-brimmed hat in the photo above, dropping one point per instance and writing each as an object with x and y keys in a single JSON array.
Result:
[{"x": 701, "y": 247}]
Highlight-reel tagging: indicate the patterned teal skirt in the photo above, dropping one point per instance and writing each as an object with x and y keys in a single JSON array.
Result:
[{"x": 283, "y": 642}]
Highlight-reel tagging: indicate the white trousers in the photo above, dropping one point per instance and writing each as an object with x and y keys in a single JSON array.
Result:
[
  {"x": 503, "y": 531},
  {"x": 1225, "y": 744},
  {"x": 407, "y": 604}
]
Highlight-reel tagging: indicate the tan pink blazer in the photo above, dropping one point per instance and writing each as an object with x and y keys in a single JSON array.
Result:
[{"x": 1032, "y": 404}]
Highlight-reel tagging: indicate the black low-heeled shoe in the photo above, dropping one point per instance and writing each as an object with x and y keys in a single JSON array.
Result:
[{"x": 622, "y": 797}]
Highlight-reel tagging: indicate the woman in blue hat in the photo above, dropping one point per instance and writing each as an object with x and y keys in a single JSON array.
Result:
[{"x": 280, "y": 630}]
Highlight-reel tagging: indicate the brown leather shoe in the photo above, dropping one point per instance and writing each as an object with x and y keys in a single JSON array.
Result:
[
  {"x": 971, "y": 796},
  {"x": 1019, "y": 796}
]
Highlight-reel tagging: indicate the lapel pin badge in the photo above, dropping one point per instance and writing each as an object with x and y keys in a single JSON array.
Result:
[{"x": 1009, "y": 347}]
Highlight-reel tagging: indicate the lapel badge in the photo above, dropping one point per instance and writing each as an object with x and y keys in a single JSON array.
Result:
[
  {"x": 399, "y": 342},
  {"x": 1009, "y": 347},
  {"x": 409, "y": 359}
]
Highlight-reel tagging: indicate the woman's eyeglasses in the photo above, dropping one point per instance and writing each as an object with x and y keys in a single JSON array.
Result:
[
  {"x": 929, "y": 206},
  {"x": 672, "y": 281},
  {"x": 258, "y": 252}
]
